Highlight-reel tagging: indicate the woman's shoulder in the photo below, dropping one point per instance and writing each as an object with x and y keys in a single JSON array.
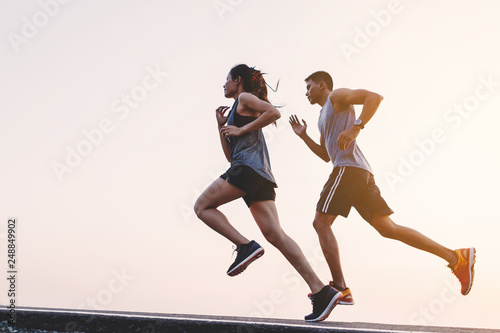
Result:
[
  {"x": 246, "y": 105},
  {"x": 246, "y": 97}
]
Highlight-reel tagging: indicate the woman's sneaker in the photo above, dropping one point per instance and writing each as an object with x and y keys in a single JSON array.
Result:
[
  {"x": 323, "y": 303},
  {"x": 247, "y": 253}
]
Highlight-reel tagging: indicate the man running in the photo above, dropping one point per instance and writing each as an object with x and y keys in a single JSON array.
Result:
[{"x": 352, "y": 184}]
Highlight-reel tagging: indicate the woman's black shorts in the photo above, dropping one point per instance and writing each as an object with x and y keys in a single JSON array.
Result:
[{"x": 256, "y": 187}]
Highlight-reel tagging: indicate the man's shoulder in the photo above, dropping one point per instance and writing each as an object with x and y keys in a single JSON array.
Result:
[
  {"x": 339, "y": 92},
  {"x": 337, "y": 95},
  {"x": 337, "y": 98}
]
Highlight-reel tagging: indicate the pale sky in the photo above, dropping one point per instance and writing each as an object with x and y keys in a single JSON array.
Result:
[{"x": 108, "y": 135}]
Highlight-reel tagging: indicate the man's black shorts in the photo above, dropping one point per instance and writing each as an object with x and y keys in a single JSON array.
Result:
[
  {"x": 256, "y": 187},
  {"x": 352, "y": 187}
]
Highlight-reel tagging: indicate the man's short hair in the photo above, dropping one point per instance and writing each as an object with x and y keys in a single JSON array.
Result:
[{"x": 319, "y": 76}]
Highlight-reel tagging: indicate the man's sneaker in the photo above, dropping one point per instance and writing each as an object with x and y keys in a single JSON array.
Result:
[
  {"x": 346, "y": 296},
  {"x": 246, "y": 254},
  {"x": 464, "y": 268},
  {"x": 323, "y": 303}
]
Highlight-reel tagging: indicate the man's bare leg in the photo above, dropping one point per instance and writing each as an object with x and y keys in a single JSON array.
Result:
[
  {"x": 387, "y": 228},
  {"x": 323, "y": 226}
]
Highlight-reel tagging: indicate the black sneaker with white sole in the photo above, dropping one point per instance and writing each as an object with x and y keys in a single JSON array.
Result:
[
  {"x": 323, "y": 303},
  {"x": 247, "y": 253}
]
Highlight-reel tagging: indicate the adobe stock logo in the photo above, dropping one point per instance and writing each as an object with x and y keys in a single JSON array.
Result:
[
  {"x": 31, "y": 27},
  {"x": 363, "y": 37},
  {"x": 221, "y": 7},
  {"x": 104, "y": 296},
  {"x": 94, "y": 137},
  {"x": 454, "y": 117},
  {"x": 266, "y": 308},
  {"x": 426, "y": 315}
]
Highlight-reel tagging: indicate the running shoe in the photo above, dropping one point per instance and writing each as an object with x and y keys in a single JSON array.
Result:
[
  {"x": 323, "y": 303},
  {"x": 346, "y": 296},
  {"x": 464, "y": 268},
  {"x": 247, "y": 253}
]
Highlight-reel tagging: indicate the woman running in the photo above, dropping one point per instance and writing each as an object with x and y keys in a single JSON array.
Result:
[{"x": 250, "y": 177}]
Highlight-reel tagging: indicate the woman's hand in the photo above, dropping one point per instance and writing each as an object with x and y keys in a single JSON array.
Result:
[
  {"x": 230, "y": 130},
  {"x": 220, "y": 115}
]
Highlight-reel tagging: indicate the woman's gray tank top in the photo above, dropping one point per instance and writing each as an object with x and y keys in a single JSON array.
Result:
[{"x": 249, "y": 149}]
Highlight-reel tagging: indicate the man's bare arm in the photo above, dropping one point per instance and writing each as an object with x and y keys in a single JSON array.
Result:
[
  {"x": 343, "y": 98},
  {"x": 368, "y": 99},
  {"x": 300, "y": 130}
]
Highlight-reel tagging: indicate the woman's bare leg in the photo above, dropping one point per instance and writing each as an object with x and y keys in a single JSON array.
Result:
[
  {"x": 217, "y": 194},
  {"x": 266, "y": 216}
]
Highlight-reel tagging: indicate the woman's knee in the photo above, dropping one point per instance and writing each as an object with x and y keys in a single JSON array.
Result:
[
  {"x": 200, "y": 206},
  {"x": 273, "y": 235}
]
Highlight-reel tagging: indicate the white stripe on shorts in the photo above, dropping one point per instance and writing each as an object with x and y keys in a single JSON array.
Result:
[{"x": 333, "y": 189}]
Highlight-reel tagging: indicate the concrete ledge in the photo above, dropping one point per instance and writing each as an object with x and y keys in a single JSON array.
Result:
[{"x": 90, "y": 321}]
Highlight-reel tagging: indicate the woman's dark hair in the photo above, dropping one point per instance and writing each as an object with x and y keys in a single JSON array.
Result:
[{"x": 253, "y": 81}]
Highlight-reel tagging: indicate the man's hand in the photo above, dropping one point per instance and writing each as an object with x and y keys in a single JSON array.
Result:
[
  {"x": 220, "y": 115},
  {"x": 230, "y": 130},
  {"x": 298, "y": 128},
  {"x": 346, "y": 137}
]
